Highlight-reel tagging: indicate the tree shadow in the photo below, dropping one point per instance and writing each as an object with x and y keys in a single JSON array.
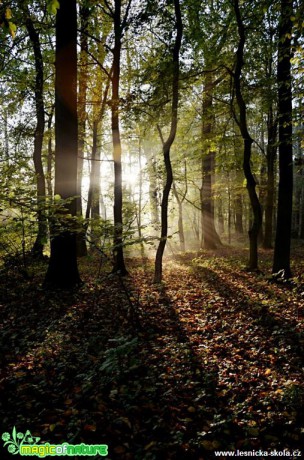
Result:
[
  {"x": 259, "y": 312},
  {"x": 51, "y": 341},
  {"x": 163, "y": 398},
  {"x": 244, "y": 372}
]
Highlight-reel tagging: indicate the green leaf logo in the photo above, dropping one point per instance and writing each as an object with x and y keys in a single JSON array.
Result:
[{"x": 14, "y": 441}]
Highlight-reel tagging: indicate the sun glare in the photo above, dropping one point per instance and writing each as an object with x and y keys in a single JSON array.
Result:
[{"x": 131, "y": 177}]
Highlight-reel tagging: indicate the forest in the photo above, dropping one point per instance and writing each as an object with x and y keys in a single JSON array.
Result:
[{"x": 152, "y": 228}]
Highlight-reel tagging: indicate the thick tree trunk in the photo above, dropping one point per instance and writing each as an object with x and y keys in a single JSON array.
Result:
[
  {"x": 41, "y": 238},
  {"x": 281, "y": 261},
  {"x": 242, "y": 122},
  {"x": 167, "y": 146},
  {"x": 63, "y": 270}
]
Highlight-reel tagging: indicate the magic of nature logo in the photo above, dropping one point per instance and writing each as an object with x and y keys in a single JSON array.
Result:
[{"x": 27, "y": 445}]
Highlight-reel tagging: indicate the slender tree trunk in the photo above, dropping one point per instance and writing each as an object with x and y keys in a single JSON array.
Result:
[
  {"x": 41, "y": 238},
  {"x": 140, "y": 200},
  {"x": 119, "y": 263},
  {"x": 301, "y": 223},
  {"x": 84, "y": 14},
  {"x": 96, "y": 190},
  {"x": 180, "y": 198},
  {"x": 167, "y": 146},
  {"x": 242, "y": 122},
  {"x": 196, "y": 228},
  {"x": 281, "y": 261},
  {"x": 221, "y": 217},
  {"x": 6, "y": 138},
  {"x": 153, "y": 191},
  {"x": 229, "y": 219},
  {"x": 49, "y": 175},
  {"x": 238, "y": 203},
  {"x": 63, "y": 270},
  {"x": 181, "y": 232},
  {"x": 93, "y": 204},
  {"x": 210, "y": 237},
  {"x": 262, "y": 198},
  {"x": 94, "y": 173},
  {"x": 271, "y": 154}
]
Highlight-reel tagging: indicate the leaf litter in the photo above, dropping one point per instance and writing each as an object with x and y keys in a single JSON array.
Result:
[{"x": 210, "y": 360}]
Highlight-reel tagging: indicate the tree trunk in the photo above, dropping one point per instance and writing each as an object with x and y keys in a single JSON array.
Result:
[
  {"x": 94, "y": 174},
  {"x": 238, "y": 203},
  {"x": 6, "y": 138},
  {"x": 167, "y": 146},
  {"x": 153, "y": 190},
  {"x": 41, "y": 237},
  {"x": 84, "y": 14},
  {"x": 49, "y": 180},
  {"x": 96, "y": 190},
  {"x": 229, "y": 219},
  {"x": 242, "y": 122},
  {"x": 210, "y": 237},
  {"x": 119, "y": 263},
  {"x": 271, "y": 154},
  {"x": 220, "y": 214},
  {"x": 281, "y": 261},
  {"x": 93, "y": 204},
  {"x": 181, "y": 232},
  {"x": 301, "y": 223},
  {"x": 63, "y": 270},
  {"x": 140, "y": 200}
]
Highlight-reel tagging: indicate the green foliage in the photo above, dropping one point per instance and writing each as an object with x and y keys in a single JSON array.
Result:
[
  {"x": 293, "y": 396},
  {"x": 18, "y": 228},
  {"x": 121, "y": 358},
  {"x": 100, "y": 233},
  {"x": 53, "y": 6},
  {"x": 7, "y": 24}
]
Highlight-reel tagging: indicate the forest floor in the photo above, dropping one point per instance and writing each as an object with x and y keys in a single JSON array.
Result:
[{"x": 212, "y": 360}]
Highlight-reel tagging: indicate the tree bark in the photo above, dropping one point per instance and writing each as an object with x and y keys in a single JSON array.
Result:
[
  {"x": 63, "y": 270},
  {"x": 209, "y": 234},
  {"x": 153, "y": 190},
  {"x": 84, "y": 13},
  {"x": 167, "y": 145},
  {"x": 181, "y": 232},
  {"x": 41, "y": 237},
  {"x": 49, "y": 181},
  {"x": 238, "y": 204},
  {"x": 242, "y": 122},
  {"x": 93, "y": 204},
  {"x": 281, "y": 261},
  {"x": 271, "y": 154},
  {"x": 119, "y": 263}
]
